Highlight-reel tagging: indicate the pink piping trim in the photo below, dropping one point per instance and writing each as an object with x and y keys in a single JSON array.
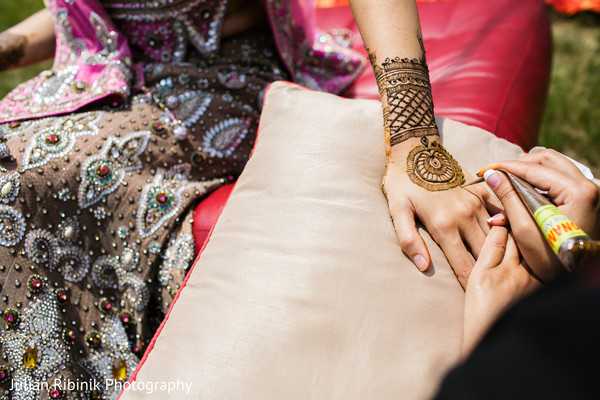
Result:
[{"x": 184, "y": 284}]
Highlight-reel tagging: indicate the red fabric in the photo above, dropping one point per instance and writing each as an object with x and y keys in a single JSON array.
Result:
[
  {"x": 205, "y": 215},
  {"x": 489, "y": 63}
]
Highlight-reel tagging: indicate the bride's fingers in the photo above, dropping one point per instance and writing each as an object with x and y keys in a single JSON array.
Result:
[
  {"x": 474, "y": 234},
  {"x": 457, "y": 254},
  {"x": 409, "y": 238}
]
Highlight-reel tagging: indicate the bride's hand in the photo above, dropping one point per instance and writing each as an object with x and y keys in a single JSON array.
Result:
[{"x": 455, "y": 218}]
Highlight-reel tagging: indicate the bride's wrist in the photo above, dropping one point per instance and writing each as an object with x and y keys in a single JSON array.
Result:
[{"x": 427, "y": 163}]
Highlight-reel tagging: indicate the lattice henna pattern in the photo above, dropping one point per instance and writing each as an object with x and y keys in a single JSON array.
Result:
[
  {"x": 12, "y": 49},
  {"x": 408, "y": 112},
  {"x": 408, "y": 94}
]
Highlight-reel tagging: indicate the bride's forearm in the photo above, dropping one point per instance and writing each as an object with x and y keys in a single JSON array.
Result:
[
  {"x": 392, "y": 35},
  {"x": 28, "y": 42}
]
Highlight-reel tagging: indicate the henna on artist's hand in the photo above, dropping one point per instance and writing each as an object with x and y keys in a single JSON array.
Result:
[{"x": 12, "y": 49}]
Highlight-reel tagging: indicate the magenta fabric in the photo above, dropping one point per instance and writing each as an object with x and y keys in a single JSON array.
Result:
[{"x": 93, "y": 61}]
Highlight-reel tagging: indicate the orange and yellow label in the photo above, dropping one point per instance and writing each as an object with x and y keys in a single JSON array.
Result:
[{"x": 555, "y": 226}]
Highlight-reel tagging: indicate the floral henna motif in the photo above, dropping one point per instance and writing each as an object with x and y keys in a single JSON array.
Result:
[
  {"x": 408, "y": 113},
  {"x": 12, "y": 49},
  {"x": 432, "y": 167}
]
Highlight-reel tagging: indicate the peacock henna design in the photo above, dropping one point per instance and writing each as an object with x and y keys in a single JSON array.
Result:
[
  {"x": 12, "y": 49},
  {"x": 430, "y": 166}
]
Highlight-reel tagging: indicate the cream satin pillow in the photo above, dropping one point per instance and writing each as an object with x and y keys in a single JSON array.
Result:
[{"x": 303, "y": 291}]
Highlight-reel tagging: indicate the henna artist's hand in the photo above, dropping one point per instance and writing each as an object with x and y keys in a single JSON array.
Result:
[
  {"x": 575, "y": 195},
  {"x": 498, "y": 279},
  {"x": 455, "y": 218}
]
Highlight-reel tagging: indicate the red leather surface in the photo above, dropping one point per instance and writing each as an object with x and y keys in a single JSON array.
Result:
[{"x": 489, "y": 63}]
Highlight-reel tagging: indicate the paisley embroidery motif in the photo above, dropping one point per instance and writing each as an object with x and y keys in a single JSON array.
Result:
[
  {"x": 56, "y": 252},
  {"x": 161, "y": 199},
  {"x": 222, "y": 139},
  {"x": 68, "y": 231},
  {"x": 113, "y": 360},
  {"x": 111, "y": 273},
  {"x": 135, "y": 290},
  {"x": 186, "y": 107},
  {"x": 58, "y": 141},
  {"x": 55, "y": 85},
  {"x": 64, "y": 32},
  {"x": 180, "y": 254},
  {"x": 189, "y": 106},
  {"x": 73, "y": 263},
  {"x": 35, "y": 348},
  {"x": 9, "y": 187},
  {"x": 106, "y": 271},
  {"x": 162, "y": 30},
  {"x": 102, "y": 174},
  {"x": 41, "y": 248},
  {"x": 12, "y": 226}
]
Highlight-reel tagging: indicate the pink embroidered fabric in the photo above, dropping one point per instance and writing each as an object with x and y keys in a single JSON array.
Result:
[
  {"x": 100, "y": 44},
  {"x": 92, "y": 62}
]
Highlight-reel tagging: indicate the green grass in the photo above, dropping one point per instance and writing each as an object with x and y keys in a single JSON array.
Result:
[
  {"x": 572, "y": 119},
  {"x": 12, "y": 12}
]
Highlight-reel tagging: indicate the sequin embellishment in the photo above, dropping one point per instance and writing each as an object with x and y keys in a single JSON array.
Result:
[
  {"x": 179, "y": 255},
  {"x": 9, "y": 187},
  {"x": 161, "y": 199},
  {"x": 55, "y": 85},
  {"x": 163, "y": 30},
  {"x": 12, "y": 226},
  {"x": 36, "y": 349},
  {"x": 114, "y": 359},
  {"x": 222, "y": 139},
  {"x": 102, "y": 174},
  {"x": 112, "y": 273},
  {"x": 45, "y": 249},
  {"x": 57, "y": 141},
  {"x": 188, "y": 107}
]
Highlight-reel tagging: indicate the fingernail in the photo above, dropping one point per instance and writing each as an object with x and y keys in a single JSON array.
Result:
[
  {"x": 489, "y": 167},
  {"x": 497, "y": 220},
  {"x": 536, "y": 149},
  {"x": 420, "y": 262},
  {"x": 491, "y": 178}
]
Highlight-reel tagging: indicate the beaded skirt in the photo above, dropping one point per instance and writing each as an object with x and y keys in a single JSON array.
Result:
[{"x": 95, "y": 216}]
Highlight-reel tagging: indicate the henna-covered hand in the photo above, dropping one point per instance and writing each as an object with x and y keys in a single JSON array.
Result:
[
  {"x": 422, "y": 179},
  {"x": 12, "y": 49}
]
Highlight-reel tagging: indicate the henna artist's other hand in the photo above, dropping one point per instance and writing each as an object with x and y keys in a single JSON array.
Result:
[
  {"x": 498, "y": 279},
  {"x": 455, "y": 217},
  {"x": 575, "y": 195}
]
